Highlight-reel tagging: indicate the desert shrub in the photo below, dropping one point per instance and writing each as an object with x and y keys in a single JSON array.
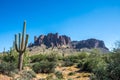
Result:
[
  {"x": 115, "y": 57},
  {"x": 67, "y": 63},
  {"x": 82, "y": 55},
  {"x": 59, "y": 75},
  {"x": 75, "y": 59},
  {"x": 101, "y": 71},
  {"x": 7, "y": 68},
  {"x": 10, "y": 57},
  {"x": 113, "y": 68},
  {"x": 114, "y": 71},
  {"x": 26, "y": 59},
  {"x": 60, "y": 57},
  {"x": 79, "y": 64},
  {"x": 29, "y": 74},
  {"x": 49, "y": 77},
  {"x": 108, "y": 70},
  {"x": 26, "y": 75},
  {"x": 107, "y": 57},
  {"x": 50, "y": 57},
  {"x": 1, "y": 56},
  {"x": 44, "y": 67},
  {"x": 71, "y": 73},
  {"x": 93, "y": 77},
  {"x": 70, "y": 60},
  {"x": 94, "y": 64},
  {"x": 91, "y": 62},
  {"x": 37, "y": 58},
  {"x": 86, "y": 66}
]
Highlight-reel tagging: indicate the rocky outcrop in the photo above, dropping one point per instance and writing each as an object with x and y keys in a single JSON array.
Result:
[
  {"x": 51, "y": 40},
  {"x": 89, "y": 43},
  {"x": 63, "y": 41}
]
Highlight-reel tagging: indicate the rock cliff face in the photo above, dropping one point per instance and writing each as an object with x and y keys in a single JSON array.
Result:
[
  {"x": 52, "y": 40},
  {"x": 59, "y": 41},
  {"x": 89, "y": 43}
]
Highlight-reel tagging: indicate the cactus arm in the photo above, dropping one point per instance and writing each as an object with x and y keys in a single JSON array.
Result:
[
  {"x": 26, "y": 41},
  {"x": 23, "y": 33},
  {"x": 16, "y": 41},
  {"x": 19, "y": 44}
]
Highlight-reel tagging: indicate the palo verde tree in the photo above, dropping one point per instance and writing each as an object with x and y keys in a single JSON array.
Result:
[{"x": 20, "y": 45}]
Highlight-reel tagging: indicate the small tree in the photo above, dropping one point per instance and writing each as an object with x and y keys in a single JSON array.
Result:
[
  {"x": 117, "y": 47},
  {"x": 20, "y": 46}
]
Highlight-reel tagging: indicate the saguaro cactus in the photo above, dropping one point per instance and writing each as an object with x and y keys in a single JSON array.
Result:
[{"x": 20, "y": 45}]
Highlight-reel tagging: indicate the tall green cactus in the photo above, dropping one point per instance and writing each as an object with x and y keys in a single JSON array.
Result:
[{"x": 20, "y": 45}]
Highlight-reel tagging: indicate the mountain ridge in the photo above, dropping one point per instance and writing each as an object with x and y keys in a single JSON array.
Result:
[{"x": 63, "y": 41}]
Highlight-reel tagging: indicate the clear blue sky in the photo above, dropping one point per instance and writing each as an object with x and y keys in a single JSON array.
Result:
[{"x": 79, "y": 19}]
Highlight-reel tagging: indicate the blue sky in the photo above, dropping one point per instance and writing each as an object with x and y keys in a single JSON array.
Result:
[{"x": 79, "y": 19}]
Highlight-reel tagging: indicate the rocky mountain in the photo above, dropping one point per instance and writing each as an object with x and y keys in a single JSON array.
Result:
[
  {"x": 89, "y": 43},
  {"x": 63, "y": 41},
  {"x": 52, "y": 40}
]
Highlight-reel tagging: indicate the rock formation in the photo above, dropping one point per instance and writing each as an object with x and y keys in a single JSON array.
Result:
[
  {"x": 51, "y": 40},
  {"x": 89, "y": 43},
  {"x": 60, "y": 41}
]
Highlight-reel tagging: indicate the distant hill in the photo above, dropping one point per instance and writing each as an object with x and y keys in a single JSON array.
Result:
[
  {"x": 62, "y": 41},
  {"x": 89, "y": 43}
]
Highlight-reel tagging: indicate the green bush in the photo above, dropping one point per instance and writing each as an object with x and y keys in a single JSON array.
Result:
[
  {"x": 59, "y": 75},
  {"x": 67, "y": 63},
  {"x": 82, "y": 55},
  {"x": 101, "y": 71},
  {"x": 26, "y": 59},
  {"x": 91, "y": 62},
  {"x": 79, "y": 64},
  {"x": 7, "y": 68},
  {"x": 71, "y": 73},
  {"x": 86, "y": 66},
  {"x": 26, "y": 75},
  {"x": 49, "y": 77},
  {"x": 70, "y": 60},
  {"x": 106, "y": 58},
  {"x": 37, "y": 58},
  {"x": 113, "y": 68},
  {"x": 10, "y": 57},
  {"x": 50, "y": 57},
  {"x": 93, "y": 77},
  {"x": 107, "y": 68},
  {"x": 44, "y": 67},
  {"x": 74, "y": 59},
  {"x": 114, "y": 71}
]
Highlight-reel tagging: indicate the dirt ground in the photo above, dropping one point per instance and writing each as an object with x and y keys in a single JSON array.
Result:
[{"x": 65, "y": 72}]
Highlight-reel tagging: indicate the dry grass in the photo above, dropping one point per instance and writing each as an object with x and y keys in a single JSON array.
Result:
[{"x": 65, "y": 72}]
